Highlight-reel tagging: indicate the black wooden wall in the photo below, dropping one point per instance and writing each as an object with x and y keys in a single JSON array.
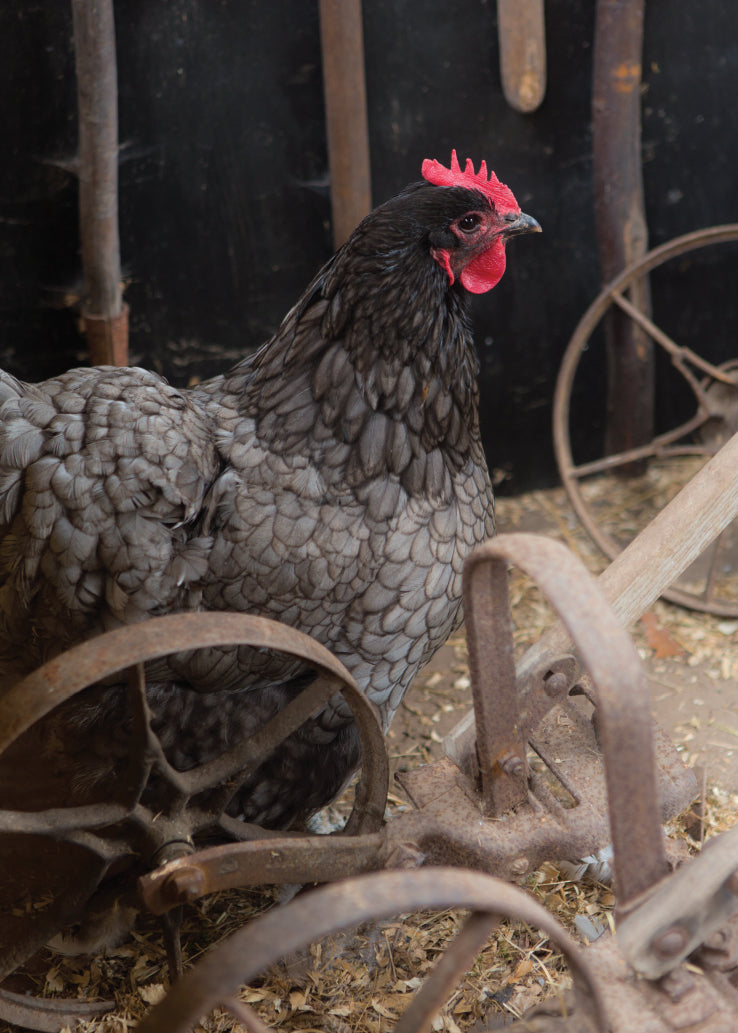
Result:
[{"x": 224, "y": 190}]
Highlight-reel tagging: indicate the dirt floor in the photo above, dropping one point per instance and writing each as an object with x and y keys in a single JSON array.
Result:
[{"x": 362, "y": 981}]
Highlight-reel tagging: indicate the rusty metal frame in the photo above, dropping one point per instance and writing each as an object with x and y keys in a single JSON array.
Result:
[
  {"x": 661, "y": 918},
  {"x": 664, "y": 445}
]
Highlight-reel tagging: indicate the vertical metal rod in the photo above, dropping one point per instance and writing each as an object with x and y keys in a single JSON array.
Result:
[
  {"x": 500, "y": 744},
  {"x": 106, "y": 318},
  {"x": 342, "y": 42},
  {"x": 620, "y": 215}
]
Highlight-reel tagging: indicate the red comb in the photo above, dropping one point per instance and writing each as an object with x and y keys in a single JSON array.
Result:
[{"x": 440, "y": 176}]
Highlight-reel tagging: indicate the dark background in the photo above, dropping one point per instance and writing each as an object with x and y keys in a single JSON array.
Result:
[{"x": 224, "y": 188}]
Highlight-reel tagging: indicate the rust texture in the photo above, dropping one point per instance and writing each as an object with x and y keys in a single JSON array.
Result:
[
  {"x": 522, "y": 37},
  {"x": 620, "y": 215},
  {"x": 342, "y": 43},
  {"x": 106, "y": 322}
]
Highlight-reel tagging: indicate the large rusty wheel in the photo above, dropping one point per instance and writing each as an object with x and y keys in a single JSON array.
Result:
[
  {"x": 215, "y": 979},
  {"x": 613, "y": 512},
  {"x": 53, "y": 859}
]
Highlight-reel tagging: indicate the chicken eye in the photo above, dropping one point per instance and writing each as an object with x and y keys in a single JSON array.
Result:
[{"x": 469, "y": 222}]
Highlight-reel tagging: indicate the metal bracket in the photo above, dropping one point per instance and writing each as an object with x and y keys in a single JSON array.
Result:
[{"x": 683, "y": 911}]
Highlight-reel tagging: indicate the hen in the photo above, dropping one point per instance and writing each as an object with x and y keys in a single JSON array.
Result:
[{"x": 334, "y": 481}]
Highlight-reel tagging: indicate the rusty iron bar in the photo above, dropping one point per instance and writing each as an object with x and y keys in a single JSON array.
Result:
[
  {"x": 522, "y": 41},
  {"x": 105, "y": 315},
  {"x": 620, "y": 215},
  {"x": 501, "y": 746},
  {"x": 215, "y": 978},
  {"x": 342, "y": 46},
  {"x": 302, "y": 859},
  {"x": 609, "y": 655},
  {"x": 445, "y": 828}
]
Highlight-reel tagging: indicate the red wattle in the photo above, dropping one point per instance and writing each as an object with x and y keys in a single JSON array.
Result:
[{"x": 485, "y": 271}]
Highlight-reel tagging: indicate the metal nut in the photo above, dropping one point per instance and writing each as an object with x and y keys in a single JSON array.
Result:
[
  {"x": 520, "y": 866},
  {"x": 671, "y": 942},
  {"x": 555, "y": 684},
  {"x": 405, "y": 855},
  {"x": 184, "y": 885},
  {"x": 677, "y": 984},
  {"x": 511, "y": 763},
  {"x": 717, "y": 941}
]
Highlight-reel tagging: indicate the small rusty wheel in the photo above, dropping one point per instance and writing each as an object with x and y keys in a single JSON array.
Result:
[
  {"x": 215, "y": 979},
  {"x": 613, "y": 513},
  {"x": 67, "y": 852}
]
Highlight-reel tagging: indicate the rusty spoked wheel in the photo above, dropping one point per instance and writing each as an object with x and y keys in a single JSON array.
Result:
[
  {"x": 66, "y": 853},
  {"x": 215, "y": 979},
  {"x": 614, "y": 510}
]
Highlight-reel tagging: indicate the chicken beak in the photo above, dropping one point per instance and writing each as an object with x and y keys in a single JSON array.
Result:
[{"x": 523, "y": 224}]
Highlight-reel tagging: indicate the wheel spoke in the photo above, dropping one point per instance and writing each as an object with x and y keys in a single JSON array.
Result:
[
  {"x": 235, "y": 766},
  {"x": 455, "y": 960},
  {"x": 659, "y": 448},
  {"x": 677, "y": 351}
]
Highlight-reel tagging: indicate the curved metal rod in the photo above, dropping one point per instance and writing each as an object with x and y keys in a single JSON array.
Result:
[
  {"x": 609, "y": 655},
  {"x": 327, "y": 910},
  {"x": 48, "y": 1014},
  {"x": 57, "y": 680}
]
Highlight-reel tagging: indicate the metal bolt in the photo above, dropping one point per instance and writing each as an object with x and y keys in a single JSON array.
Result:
[
  {"x": 184, "y": 885},
  {"x": 511, "y": 763},
  {"x": 555, "y": 684},
  {"x": 405, "y": 855},
  {"x": 671, "y": 942},
  {"x": 677, "y": 984},
  {"x": 520, "y": 866},
  {"x": 717, "y": 941}
]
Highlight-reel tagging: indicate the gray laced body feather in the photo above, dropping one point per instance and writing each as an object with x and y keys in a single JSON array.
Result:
[{"x": 334, "y": 481}]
